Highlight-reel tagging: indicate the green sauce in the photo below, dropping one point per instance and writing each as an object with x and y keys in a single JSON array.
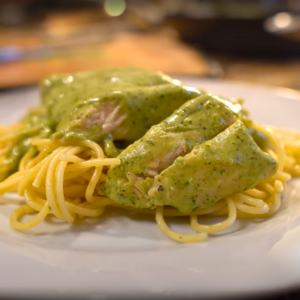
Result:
[
  {"x": 196, "y": 143},
  {"x": 77, "y": 103},
  {"x": 36, "y": 125}
]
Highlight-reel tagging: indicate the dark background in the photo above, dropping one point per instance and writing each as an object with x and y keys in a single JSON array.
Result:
[{"x": 251, "y": 40}]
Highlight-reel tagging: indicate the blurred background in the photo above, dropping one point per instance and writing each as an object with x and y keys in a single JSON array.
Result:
[{"x": 250, "y": 40}]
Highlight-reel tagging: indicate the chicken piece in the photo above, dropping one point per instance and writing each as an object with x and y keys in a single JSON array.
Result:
[
  {"x": 120, "y": 104},
  {"x": 229, "y": 163},
  {"x": 195, "y": 122}
]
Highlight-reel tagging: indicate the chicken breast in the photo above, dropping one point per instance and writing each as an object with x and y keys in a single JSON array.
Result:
[
  {"x": 229, "y": 163},
  {"x": 120, "y": 104},
  {"x": 195, "y": 122}
]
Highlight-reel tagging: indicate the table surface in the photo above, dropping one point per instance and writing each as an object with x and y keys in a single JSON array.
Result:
[
  {"x": 278, "y": 73},
  {"x": 283, "y": 73}
]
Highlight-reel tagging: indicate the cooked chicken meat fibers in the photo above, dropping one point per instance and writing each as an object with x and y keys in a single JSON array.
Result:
[
  {"x": 120, "y": 104},
  {"x": 195, "y": 122},
  {"x": 229, "y": 163}
]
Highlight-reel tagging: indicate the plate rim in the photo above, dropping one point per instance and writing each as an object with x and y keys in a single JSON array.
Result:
[{"x": 279, "y": 91}]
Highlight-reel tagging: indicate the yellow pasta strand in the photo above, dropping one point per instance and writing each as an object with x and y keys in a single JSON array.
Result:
[
  {"x": 256, "y": 193},
  {"x": 182, "y": 238},
  {"x": 218, "y": 226},
  {"x": 59, "y": 178},
  {"x": 26, "y": 158},
  {"x": 23, "y": 210}
]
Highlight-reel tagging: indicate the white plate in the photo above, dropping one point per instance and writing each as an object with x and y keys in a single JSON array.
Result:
[{"x": 129, "y": 256}]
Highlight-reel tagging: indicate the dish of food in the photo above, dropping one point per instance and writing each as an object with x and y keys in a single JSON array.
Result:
[
  {"x": 68, "y": 171},
  {"x": 63, "y": 157}
]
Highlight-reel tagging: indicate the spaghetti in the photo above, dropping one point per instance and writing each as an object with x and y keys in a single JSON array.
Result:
[
  {"x": 261, "y": 202},
  {"x": 60, "y": 179},
  {"x": 62, "y": 157}
]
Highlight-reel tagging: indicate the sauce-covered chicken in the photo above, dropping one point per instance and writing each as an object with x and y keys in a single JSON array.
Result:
[
  {"x": 229, "y": 163},
  {"x": 120, "y": 104},
  {"x": 192, "y": 159}
]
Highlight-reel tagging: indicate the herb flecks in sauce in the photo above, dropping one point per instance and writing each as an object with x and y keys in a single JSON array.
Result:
[
  {"x": 120, "y": 104},
  {"x": 230, "y": 163},
  {"x": 195, "y": 122}
]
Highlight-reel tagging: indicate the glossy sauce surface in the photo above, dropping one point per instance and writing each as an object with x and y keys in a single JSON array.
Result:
[{"x": 121, "y": 104}]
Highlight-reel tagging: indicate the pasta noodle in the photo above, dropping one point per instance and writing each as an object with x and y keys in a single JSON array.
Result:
[
  {"x": 60, "y": 179},
  {"x": 42, "y": 183}
]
